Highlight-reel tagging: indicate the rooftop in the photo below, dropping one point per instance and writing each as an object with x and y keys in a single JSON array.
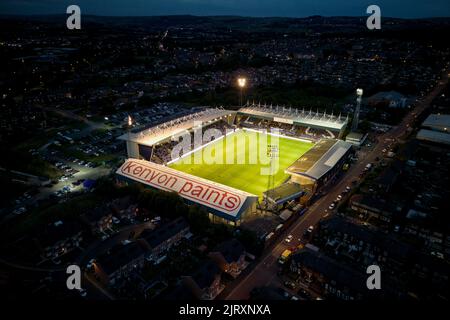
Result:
[
  {"x": 434, "y": 136},
  {"x": 206, "y": 274},
  {"x": 179, "y": 293},
  {"x": 389, "y": 244},
  {"x": 59, "y": 231},
  {"x": 231, "y": 250},
  {"x": 296, "y": 116},
  {"x": 166, "y": 231},
  {"x": 97, "y": 213},
  {"x": 356, "y": 136},
  {"x": 120, "y": 256},
  {"x": 386, "y": 95},
  {"x": 331, "y": 269},
  {"x": 162, "y": 132},
  {"x": 226, "y": 201},
  {"x": 321, "y": 158},
  {"x": 439, "y": 122},
  {"x": 284, "y": 192}
]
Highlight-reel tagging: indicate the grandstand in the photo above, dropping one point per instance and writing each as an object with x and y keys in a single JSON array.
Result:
[
  {"x": 318, "y": 165},
  {"x": 140, "y": 144},
  {"x": 308, "y": 157},
  {"x": 223, "y": 203},
  {"x": 293, "y": 119}
]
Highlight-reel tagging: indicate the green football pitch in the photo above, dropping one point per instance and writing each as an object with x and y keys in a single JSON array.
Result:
[{"x": 243, "y": 172}]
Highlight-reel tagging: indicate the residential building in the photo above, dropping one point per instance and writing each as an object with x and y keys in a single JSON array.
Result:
[
  {"x": 124, "y": 208},
  {"x": 372, "y": 208},
  {"x": 331, "y": 279},
  {"x": 119, "y": 261},
  {"x": 230, "y": 257},
  {"x": 98, "y": 219},
  {"x": 205, "y": 283},
  {"x": 59, "y": 238},
  {"x": 159, "y": 240}
]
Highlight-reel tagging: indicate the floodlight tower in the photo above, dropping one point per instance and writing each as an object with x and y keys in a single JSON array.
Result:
[
  {"x": 242, "y": 82},
  {"x": 359, "y": 93},
  {"x": 272, "y": 153}
]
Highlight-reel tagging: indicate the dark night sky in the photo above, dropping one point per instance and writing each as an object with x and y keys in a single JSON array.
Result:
[{"x": 287, "y": 8}]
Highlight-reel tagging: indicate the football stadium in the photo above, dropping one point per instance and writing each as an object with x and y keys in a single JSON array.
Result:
[{"x": 234, "y": 163}]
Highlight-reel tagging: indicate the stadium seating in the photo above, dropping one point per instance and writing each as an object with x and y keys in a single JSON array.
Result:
[{"x": 162, "y": 153}]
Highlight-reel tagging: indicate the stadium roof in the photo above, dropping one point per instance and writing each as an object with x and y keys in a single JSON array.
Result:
[
  {"x": 284, "y": 193},
  {"x": 226, "y": 202},
  {"x": 434, "y": 136},
  {"x": 321, "y": 158},
  {"x": 166, "y": 130},
  {"x": 296, "y": 116},
  {"x": 386, "y": 95},
  {"x": 440, "y": 122}
]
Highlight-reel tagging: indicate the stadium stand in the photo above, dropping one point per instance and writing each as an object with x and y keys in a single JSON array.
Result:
[
  {"x": 319, "y": 164},
  {"x": 162, "y": 152},
  {"x": 317, "y": 125}
]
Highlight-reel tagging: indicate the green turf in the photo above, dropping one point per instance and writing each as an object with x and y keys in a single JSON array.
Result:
[{"x": 244, "y": 176}]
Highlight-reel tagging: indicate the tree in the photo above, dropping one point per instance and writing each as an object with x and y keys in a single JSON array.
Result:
[
  {"x": 250, "y": 241},
  {"x": 219, "y": 232},
  {"x": 364, "y": 126},
  {"x": 198, "y": 220}
]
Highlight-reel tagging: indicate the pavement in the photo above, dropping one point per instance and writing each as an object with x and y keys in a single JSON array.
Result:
[{"x": 265, "y": 272}]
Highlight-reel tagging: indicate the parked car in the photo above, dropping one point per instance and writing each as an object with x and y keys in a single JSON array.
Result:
[{"x": 290, "y": 284}]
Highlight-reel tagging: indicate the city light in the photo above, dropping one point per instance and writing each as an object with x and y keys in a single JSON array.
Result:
[{"x": 242, "y": 82}]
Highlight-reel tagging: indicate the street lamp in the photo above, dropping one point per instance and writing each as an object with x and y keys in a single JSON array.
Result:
[{"x": 242, "y": 82}]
